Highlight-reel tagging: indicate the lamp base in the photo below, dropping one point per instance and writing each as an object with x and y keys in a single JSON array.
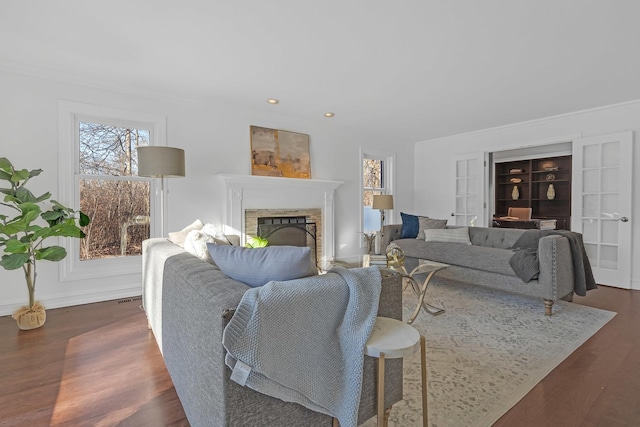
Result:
[{"x": 378, "y": 243}]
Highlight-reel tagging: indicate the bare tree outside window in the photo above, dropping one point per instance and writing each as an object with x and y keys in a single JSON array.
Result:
[
  {"x": 373, "y": 182},
  {"x": 113, "y": 196}
]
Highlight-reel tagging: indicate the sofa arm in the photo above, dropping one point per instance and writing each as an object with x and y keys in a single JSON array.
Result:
[
  {"x": 390, "y": 233},
  {"x": 556, "y": 266}
]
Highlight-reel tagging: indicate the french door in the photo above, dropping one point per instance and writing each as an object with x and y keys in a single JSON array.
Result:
[
  {"x": 470, "y": 182},
  {"x": 601, "y": 204}
]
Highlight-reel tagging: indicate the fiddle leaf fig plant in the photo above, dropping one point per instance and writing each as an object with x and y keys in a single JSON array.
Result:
[{"x": 29, "y": 222}]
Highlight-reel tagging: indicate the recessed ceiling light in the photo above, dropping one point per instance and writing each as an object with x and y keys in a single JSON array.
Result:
[
  {"x": 329, "y": 114},
  {"x": 272, "y": 101}
]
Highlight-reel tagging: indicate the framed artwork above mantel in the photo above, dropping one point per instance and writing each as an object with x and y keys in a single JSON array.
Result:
[{"x": 279, "y": 153}]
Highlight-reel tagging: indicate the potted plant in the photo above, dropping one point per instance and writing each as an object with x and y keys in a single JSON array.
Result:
[
  {"x": 22, "y": 238},
  {"x": 256, "y": 242}
]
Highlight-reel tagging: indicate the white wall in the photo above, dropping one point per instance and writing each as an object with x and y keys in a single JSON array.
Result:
[
  {"x": 434, "y": 160},
  {"x": 216, "y": 140}
]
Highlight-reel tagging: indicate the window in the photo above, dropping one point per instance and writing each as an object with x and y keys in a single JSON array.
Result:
[
  {"x": 98, "y": 174},
  {"x": 110, "y": 192},
  {"x": 376, "y": 179}
]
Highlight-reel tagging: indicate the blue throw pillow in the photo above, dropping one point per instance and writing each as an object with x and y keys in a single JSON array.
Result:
[
  {"x": 410, "y": 226},
  {"x": 258, "y": 266}
]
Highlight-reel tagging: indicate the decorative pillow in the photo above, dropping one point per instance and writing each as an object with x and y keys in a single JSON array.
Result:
[
  {"x": 409, "y": 226},
  {"x": 178, "y": 237},
  {"x": 196, "y": 244},
  {"x": 449, "y": 235},
  {"x": 425, "y": 223},
  {"x": 258, "y": 266},
  {"x": 212, "y": 230}
]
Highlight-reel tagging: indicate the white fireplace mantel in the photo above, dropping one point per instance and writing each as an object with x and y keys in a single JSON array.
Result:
[{"x": 261, "y": 192}]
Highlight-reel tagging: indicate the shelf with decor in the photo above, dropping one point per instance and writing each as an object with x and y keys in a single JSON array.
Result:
[{"x": 542, "y": 184}]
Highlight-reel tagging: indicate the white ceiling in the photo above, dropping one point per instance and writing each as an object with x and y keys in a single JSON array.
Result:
[{"x": 408, "y": 70}]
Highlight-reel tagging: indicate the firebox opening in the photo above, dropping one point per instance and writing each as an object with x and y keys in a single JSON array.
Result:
[{"x": 289, "y": 231}]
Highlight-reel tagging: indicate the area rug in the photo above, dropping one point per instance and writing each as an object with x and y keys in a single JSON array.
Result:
[{"x": 486, "y": 352}]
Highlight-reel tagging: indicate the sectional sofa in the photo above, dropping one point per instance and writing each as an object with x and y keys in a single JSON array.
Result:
[{"x": 188, "y": 303}]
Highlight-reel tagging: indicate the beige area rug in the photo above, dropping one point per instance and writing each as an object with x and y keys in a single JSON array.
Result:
[{"x": 486, "y": 352}]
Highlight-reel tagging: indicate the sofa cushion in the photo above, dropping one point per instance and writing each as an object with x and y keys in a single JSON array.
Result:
[
  {"x": 478, "y": 257},
  {"x": 502, "y": 238},
  {"x": 258, "y": 266},
  {"x": 448, "y": 235},
  {"x": 410, "y": 226},
  {"x": 425, "y": 223}
]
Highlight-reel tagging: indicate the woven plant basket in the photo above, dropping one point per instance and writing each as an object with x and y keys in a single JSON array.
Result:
[{"x": 30, "y": 317}]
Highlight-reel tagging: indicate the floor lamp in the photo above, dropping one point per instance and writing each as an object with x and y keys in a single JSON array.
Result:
[
  {"x": 160, "y": 162},
  {"x": 382, "y": 202}
]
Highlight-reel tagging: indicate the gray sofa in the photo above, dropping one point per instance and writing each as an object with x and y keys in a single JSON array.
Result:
[
  {"x": 486, "y": 261},
  {"x": 188, "y": 303}
]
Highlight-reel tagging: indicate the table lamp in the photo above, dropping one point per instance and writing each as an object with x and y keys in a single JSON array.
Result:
[{"x": 381, "y": 202}]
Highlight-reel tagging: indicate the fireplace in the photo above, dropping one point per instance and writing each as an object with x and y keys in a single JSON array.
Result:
[
  {"x": 292, "y": 227},
  {"x": 249, "y": 197},
  {"x": 286, "y": 230}
]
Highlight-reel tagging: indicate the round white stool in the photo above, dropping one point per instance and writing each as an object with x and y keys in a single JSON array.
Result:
[{"x": 393, "y": 339}]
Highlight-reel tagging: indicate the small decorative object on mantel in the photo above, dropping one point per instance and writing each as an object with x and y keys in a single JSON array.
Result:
[
  {"x": 550, "y": 177},
  {"x": 515, "y": 194},
  {"x": 515, "y": 171},
  {"x": 22, "y": 238},
  {"x": 516, "y": 180},
  {"x": 551, "y": 192},
  {"x": 279, "y": 153}
]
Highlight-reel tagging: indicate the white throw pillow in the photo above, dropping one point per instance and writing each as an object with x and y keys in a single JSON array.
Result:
[
  {"x": 196, "y": 244},
  {"x": 212, "y": 230},
  {"x": 178, "y": 237},
  {"x": 448, "y": 235}
]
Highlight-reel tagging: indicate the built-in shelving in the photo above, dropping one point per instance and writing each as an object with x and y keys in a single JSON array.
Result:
[{"x": 535, "y": 176}]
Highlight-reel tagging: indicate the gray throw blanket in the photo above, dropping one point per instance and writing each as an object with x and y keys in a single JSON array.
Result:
[
  {"x": 304, "y": 339},
  {"x": 525, "y": 263}
]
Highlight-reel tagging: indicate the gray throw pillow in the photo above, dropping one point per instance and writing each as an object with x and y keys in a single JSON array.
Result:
[
  {"x": 258, "y": 266},
  {"x": 425, "y": 223}
]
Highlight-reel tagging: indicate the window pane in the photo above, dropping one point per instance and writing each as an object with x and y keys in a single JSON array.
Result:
[
  {"x": 373, "y": 173},
  {"x": 119, "y": 212},
  {"x": 110, "y": 150},
  {"x": 367, "y": 197}
]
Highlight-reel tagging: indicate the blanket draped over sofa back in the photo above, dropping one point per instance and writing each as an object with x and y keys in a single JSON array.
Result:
[
  {"x": 304, "y": 339},
  {"x": 525, "y": 258}
]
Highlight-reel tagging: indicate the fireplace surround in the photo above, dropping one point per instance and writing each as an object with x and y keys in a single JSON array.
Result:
[{"x": 248, "y": 192}]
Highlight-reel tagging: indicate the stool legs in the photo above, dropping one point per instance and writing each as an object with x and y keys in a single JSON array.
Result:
[
  {"x": 380, "y": 405},
  {"x": 423, "y": 369}
]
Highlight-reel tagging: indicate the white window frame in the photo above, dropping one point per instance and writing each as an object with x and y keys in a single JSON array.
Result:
[
  {"x": 389, "y": 160},
  {"x": 70, "y": 114}
]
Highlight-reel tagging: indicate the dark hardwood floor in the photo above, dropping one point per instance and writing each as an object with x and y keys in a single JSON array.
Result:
[
  {"x": 89, "y": 365},
  {"x": 98, "y": 365},
  {"x": 598, "y": 384}
]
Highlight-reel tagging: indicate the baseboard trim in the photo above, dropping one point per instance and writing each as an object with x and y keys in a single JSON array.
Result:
[{"x": 76, "y": 299}]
